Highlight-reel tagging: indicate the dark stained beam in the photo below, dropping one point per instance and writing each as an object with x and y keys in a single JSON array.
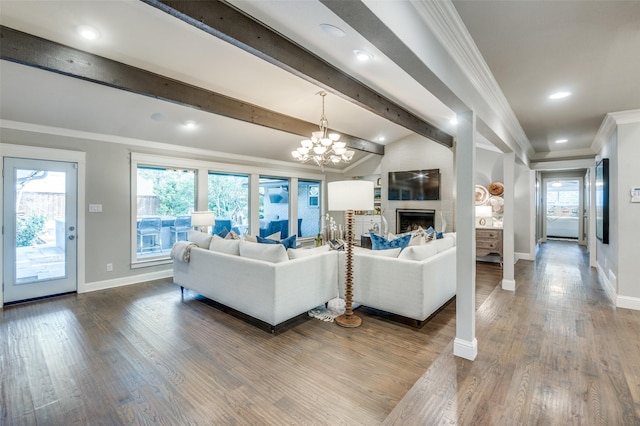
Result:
[
  {"x": 225, "y": 22},
  {"x": 30, "y": 50}
]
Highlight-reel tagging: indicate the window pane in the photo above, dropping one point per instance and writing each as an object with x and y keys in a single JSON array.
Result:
[
  {"x": 308, "y": 208},
  {"x": 166, "y": 198},
  {"x": 228, "y": 198},
  {"x": 274, "y": 206}
]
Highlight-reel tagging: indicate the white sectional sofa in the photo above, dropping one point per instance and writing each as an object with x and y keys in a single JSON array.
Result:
[
  {"x": 272, "y": 291},
  {"x": 402, "y": 285}
]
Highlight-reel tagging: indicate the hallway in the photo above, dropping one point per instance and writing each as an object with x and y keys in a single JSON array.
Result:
[{"x": 557, "y": 351}]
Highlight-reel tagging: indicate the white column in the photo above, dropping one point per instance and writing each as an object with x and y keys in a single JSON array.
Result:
[
  {"x": 254, "y": 204},
  {"x": 508, "y": 245},
  {"x": 465, "y": 344}
]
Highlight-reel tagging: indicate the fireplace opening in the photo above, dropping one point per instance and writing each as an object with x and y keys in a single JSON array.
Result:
[{"x": 411, "y": 220}]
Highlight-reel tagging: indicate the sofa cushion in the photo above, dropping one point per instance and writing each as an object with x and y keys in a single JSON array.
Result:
[
  {"x": 224, "y": 245},
  {"x": 299, "y": 253},
  {"x": 444, "y": 243},
  {"x": 394, "y": 252},
  {"x": 418, "y": 253},
  {"x": 289, "y": 242},
  {"x": 200, "y": 238},
  {"x": 274, "y": 253},
  {"x": 378, "y": 242}
]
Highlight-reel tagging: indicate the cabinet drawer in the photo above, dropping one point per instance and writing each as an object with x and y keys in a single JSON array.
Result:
[
  {"x": 490, "y": 244},
  {"x": 486, "y": 233}
]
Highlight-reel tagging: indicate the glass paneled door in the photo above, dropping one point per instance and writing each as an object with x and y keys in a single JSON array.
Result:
[{"x": 40, "y": 213}]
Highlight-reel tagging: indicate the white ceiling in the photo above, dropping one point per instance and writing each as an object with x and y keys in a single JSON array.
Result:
[{"x": 525, "y": 54}]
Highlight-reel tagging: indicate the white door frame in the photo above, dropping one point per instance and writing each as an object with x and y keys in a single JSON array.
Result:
[{"x": 40, "y": 153}]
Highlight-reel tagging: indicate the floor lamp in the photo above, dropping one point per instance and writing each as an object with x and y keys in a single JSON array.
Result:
[
  {"x": 350, "y": 195},
  {"x": 202, "y": 220}
]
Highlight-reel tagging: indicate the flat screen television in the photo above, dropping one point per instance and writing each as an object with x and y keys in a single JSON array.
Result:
[{"x": 414, "y": 185}]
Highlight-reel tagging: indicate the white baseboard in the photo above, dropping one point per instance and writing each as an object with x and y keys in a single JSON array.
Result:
[
  {"x": 133, "y": 279},
  {"x": 509, "y": 285},
  {"x": 465, "y": 349},
  {"x": 608, "y": 285},
  {"x": 525, "y": 256},
  {"x": 627, "y": 302}
]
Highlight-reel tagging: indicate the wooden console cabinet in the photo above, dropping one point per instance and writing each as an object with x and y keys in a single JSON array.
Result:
[{"x": 489, "y": 242}]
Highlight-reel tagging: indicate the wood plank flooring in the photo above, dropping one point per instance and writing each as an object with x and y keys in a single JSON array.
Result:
[{"x": 555, "y": 351}]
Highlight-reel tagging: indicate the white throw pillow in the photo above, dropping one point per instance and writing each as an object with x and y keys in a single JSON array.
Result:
[
  {"x": 253, "y": 239},
  {"x": 223, "y": 245},
  {"x": 299, "y": 253},
  {"x": 418, "y": 253},
  {"x": 201, "y": 239},
  {"x": 275, "y": 253}
]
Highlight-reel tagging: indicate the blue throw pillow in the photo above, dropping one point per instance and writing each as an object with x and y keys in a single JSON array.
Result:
[
  {"x": 289, "y": 242},
  {"x": 379, "y": 242},
  {"x": 439, "y": 236},
  {"x": 223, "y": 233}
]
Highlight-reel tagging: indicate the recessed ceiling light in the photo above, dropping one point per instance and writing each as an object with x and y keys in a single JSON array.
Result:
[
  {"x": 190, "y": 124},
  {"x": 561, "y": 140},
  {"x": 158, "y": 116},
  {"x": 453, "y": 121},
  {"x": 332, "y": 30},
  {"x": 380, "y": 138},
  {"x": 88, "y": 32},
  {"x": 362, "y": 55},
  {"x": 559, "y": 95}
]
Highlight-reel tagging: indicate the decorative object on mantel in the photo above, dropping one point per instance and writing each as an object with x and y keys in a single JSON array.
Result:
[
  {"x": 323, "y": 147},
  {"x": 350, "y": 195},
  {"x": 482, "y": 195},
  {"x": 497, "y": 204},
  {"x": 496, "y": 188}
]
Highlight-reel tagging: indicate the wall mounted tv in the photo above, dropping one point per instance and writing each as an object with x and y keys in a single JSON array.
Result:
[{"x": 414, "y": 185}]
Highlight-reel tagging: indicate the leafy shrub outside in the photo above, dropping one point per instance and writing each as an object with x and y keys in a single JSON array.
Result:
[{"x": 28, "y": 228}]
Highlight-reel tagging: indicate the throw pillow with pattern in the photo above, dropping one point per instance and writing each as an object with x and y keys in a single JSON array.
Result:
[{"x": 378, "y": 242}]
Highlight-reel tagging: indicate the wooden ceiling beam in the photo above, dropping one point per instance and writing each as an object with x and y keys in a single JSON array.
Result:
[
  {"x": 227, "y": 23},
  {"x": 26, "y": 49}
]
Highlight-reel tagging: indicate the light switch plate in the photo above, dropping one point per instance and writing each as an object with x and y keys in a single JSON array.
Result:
[{"x": 95, "y": 208}]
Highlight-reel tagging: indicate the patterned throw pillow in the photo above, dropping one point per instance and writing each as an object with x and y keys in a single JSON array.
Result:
[
  {"x": 232, "y": 236},
  {"x": 289, "y": 242},
  {"x": 379, "y": 242}
]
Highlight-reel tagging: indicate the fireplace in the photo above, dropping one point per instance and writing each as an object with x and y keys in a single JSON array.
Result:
[{"x": 409, "y": 220}]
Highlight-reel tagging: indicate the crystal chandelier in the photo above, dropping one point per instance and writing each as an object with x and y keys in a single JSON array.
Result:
[{"x": 323, "y": 147}]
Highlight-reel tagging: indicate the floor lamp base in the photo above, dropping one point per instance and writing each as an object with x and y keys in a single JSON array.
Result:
[{"x": 349, "y": 321}]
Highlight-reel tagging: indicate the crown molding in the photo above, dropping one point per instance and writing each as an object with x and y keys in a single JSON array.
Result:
[
  {"x": 569, "y": 154},
  {"x": 442, "y": 17},
  {"x": 258, "y": 162}
]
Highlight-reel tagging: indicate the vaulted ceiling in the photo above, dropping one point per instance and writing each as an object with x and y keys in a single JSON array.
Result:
[{"x": 178, "y": 66}]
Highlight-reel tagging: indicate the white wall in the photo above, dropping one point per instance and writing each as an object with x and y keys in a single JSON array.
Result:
[{"x": 627, "y": 218}]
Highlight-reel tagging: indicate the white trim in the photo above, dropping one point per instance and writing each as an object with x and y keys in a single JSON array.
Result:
[
  {"x": 606, "y": 284},
  {"x": 445, "y": 22},
  {"x": 78, "y": 157},
  {"x": 605, "y": 131},
  {"x": 525, "y": 256},
  {"x": 133, "y": 279},
  {"x": 628, "y": 302},
  {"x": 78, "y": 134},
  {"x": 509, "y": 285},
  {"x": 568, "y": 154},
  {"x": 626, "y": 117},
  {"x": 557, "y": 165},
  {"x": 465, "y": 349}
]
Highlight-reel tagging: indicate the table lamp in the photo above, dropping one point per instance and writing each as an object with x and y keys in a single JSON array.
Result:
[
  {"x": 350, "y": 195},
  {"x": 202, "y": 220},
  {"x": 484, "y": 216}
]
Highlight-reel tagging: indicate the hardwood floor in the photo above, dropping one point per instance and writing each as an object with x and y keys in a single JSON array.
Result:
[{"x": 555, "y": 351}]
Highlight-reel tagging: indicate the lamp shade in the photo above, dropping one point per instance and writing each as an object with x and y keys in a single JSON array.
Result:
[
  {"x": 350, "y": 195},
  {"x": 204, "y": 218}
]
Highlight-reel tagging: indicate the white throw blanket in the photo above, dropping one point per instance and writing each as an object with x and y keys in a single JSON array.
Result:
[{"x": 181, "y": 251}]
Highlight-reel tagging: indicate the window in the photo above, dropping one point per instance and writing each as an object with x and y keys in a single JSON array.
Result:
[
  {"x": 308, "y": 208},
  {"x": 228, "y": 198},
  {"x": 274, "y": 206},
  {"x": 165, "y": 200}
]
